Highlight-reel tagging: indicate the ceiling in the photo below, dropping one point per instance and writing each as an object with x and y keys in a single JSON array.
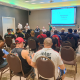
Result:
[{"x": 40, "y": 4}]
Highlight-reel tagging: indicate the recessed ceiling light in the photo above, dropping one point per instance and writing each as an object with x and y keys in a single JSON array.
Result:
[
  {"x": 26, "y": 1},
  {"x": 33, "y": 0},
  {"x": 33, "y": 3},
  {"x": 41, "y": 2},
  {"x": 64, "y": 0}
]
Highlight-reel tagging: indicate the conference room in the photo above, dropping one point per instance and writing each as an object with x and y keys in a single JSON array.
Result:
[{"x": 39, "y": 39}]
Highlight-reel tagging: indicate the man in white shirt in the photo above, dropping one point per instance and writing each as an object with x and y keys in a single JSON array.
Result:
[
  {"x": 44, "y": 30},
  {"x": 27, "y": 27},
  {"x": 47, "y": 51},
  {"x": 19, "y": 26}
]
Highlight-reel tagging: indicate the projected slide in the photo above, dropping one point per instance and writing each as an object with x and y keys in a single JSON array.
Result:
[{"x": 63, "y": 16}]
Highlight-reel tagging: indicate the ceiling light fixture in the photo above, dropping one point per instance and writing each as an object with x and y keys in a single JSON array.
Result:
[
  {"x": 64, "y": 0},
  {"x": 26, "y": 1},
  {"x": 33, "y": 0},
  {"x": 41, "y": 2}
]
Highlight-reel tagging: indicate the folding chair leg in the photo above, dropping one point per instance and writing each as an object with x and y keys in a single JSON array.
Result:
[
  {"x": 10, "y": 75},
  {"x": 20, "y": 77},
  {"x": 38, "y": 76},
  {"x": 27, "y": 79},
  {"x": 75, "y": 71},
  {"x": 76, "y": 68},
  {"x": 1, "y": 76}
]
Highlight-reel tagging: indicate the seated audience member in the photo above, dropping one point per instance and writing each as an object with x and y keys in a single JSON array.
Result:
[
  {"x": 22, "y": 54},
  {"x": 3, "y": 61},
  {"x": 62, "y": 32},
  {"x": 28, "y": 32},
  {"x": 23, "y": 31},
  {"x": 9, "y": 34},
  {"x": 19, "y": 33},
  {"x": 47, "y": 51},
  {"x": 44, "y": 30},
  {"x": 37, "y": 29},
  {"x": 48, "y": 33},
  {"x": 12, "y": 31},
  {"x": 53, "y": 28},
  {"x": 34, "y": 38},
  {"x": 79, "y": 32},
  {"x": 70, "y": 36},
  {"x": 1, "y": 39},
  {"x": 2, "y": 42},
  {"x": 41, "y": 35},
  {"x": 58, "y": 37},
  {"x": 55, "y": 45},
  {"x": 75, "y": 34}
]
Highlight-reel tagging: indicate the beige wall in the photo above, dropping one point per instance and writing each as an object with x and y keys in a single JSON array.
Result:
[{"x": 42, "y": 17}]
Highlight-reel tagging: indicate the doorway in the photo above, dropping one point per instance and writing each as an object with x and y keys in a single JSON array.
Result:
[{"x": 8, "y": 22}]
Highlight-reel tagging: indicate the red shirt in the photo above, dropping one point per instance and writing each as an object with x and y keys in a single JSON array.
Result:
[{"x": 42, "y": 35}]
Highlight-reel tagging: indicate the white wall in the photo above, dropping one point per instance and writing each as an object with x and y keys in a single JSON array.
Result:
[{"x": 42, "y": 17}]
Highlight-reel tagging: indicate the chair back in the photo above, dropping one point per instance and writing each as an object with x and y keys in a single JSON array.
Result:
[
  {"x": 66, "y": 43},
  {"x": 13, "y": 45},
  {"x": 41, "y": 46},
  {"x": 27, "y": 36},
  {"x": 45, "y": 67},
  {"x": 63, "y": 37},
  {"x": 1, "y": 37},
  {"x": 32, "y": 44},
  {"x": 14, "y": 63},
  {"x": 57, "y": 38},
  {"x": 36, "y": 34},
  {"x": 8, "y": 41},
  {"x": 72, "y": 41},
  {"x": 41, "y": 39},
  {"x": 67, "y": 53},
  {"x": 57, "y": 49},
  {"x": 55, "y": 41}
]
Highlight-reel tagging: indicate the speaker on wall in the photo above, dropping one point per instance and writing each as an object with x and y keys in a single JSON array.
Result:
[{"x": 29, "y": 12}]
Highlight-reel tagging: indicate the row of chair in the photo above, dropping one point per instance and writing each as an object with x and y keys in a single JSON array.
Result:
[
  {"x": 68, "y": 55},
  {"x": 45, "y": 68}
]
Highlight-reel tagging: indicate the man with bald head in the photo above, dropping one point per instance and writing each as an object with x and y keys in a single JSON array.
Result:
[{"x": 47, "y": 51}]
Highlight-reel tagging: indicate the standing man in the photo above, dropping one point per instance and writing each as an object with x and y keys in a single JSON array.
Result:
[
  {"x": 19, "y": 26},
  {"x": 50, "y": 26},
  {"x": 27, "y": 27}
]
